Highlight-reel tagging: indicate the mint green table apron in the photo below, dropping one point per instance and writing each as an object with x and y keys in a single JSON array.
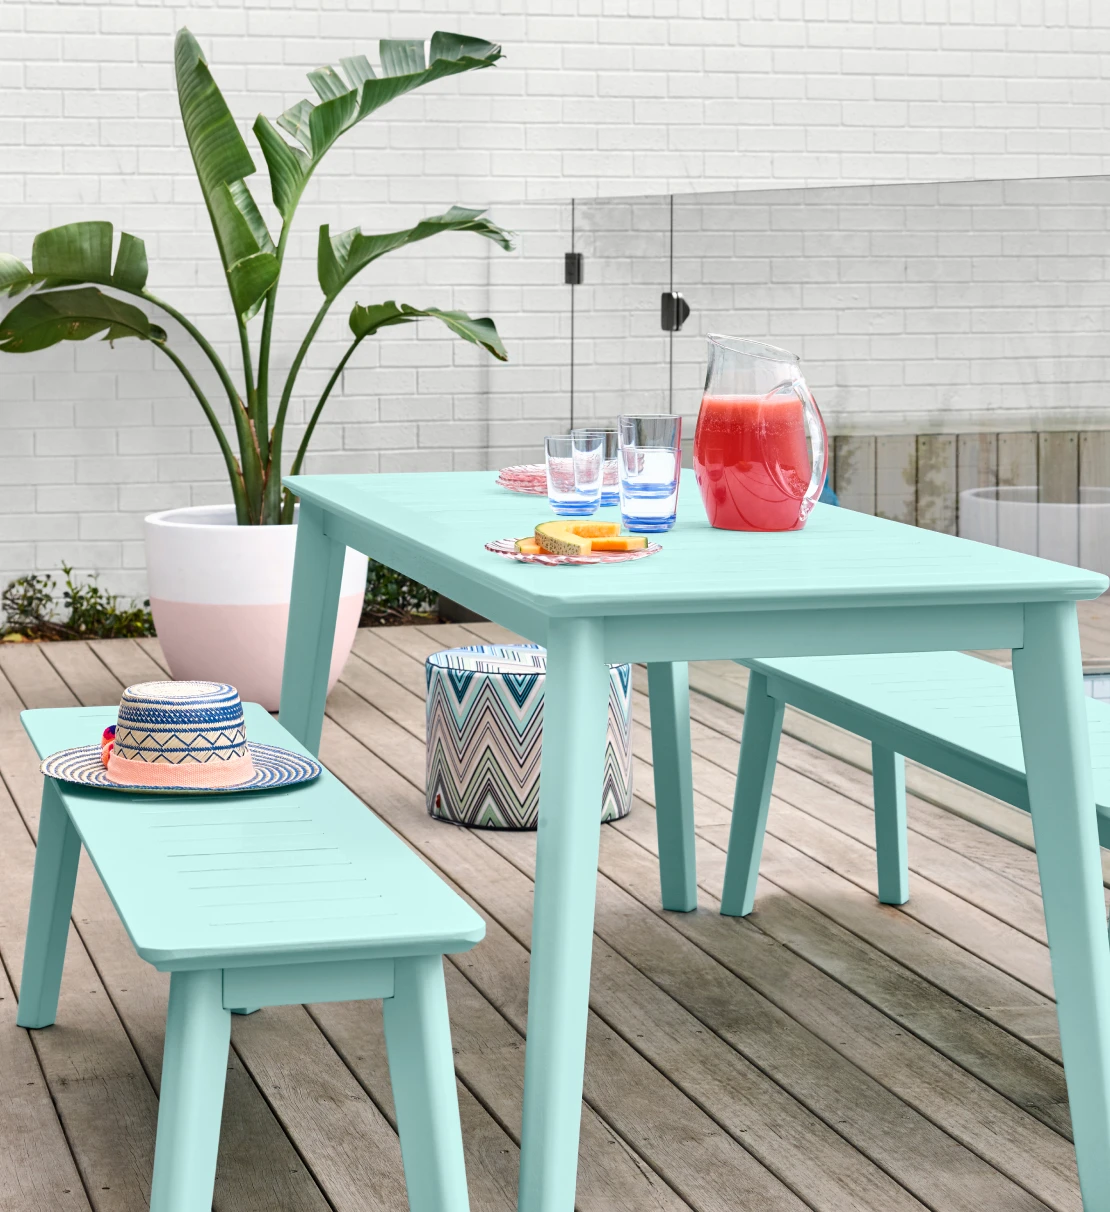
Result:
[{"x": 847, "y": 583}]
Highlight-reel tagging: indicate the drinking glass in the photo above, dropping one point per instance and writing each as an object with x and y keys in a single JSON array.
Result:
[
  {"x": 650, "y": 464},
  {"x": 610, "y": 474},
  {"x": 573, "y": 474}
]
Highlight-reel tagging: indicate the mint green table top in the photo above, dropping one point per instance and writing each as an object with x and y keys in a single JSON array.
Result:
[
  {"x": 434, "y": 526},
  {"x": 304, "y": 873}
]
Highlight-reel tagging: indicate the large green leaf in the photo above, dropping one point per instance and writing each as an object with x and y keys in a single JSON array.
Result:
[
  {"x": 251, "y": 270},
  {"x": 131, "y": 267},
  {"x": 339, "y": 258},
  {"x": 45, "y": 319},
  {"x": 222, "y": 162},
  {"x": 76, "y": 253},
  {"x": 14, "y": 275},
  {"x": 287, "y": 166},
  {"x": 348, "y": 96},
  {"x": 365, "y": 321}
]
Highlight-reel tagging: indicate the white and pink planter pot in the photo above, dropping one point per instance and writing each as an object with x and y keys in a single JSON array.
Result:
[{"x": 220, "y": 598}]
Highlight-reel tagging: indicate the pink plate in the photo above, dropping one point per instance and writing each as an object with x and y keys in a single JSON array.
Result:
[
  {"x": 524, "y": 477},
  {"x": 507, "y": 549}
]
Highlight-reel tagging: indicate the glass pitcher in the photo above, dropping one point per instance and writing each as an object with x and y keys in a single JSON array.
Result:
[{"x": 760, "y": 448}]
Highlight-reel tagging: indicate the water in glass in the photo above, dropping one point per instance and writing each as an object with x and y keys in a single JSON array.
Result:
[
  {"x": 650, "y": 464},
  {"x": 610, "y": 474},
  {"x": 574, "y": 466}
]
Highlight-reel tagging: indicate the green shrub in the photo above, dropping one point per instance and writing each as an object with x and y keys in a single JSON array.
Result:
[
  {"x": 31, "y": 609},
  {"x": 392, "y": 598},
  {"x": 87, "y": 611}
]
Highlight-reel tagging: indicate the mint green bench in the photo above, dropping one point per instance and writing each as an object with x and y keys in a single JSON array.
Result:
[
  {"x": 946, "y": 710},
  {"x": 249, "y": 900}
]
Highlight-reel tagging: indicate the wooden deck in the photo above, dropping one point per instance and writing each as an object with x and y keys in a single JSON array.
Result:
[{"x": 827, "y": 1053}]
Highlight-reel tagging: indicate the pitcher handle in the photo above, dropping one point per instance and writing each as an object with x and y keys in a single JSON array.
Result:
[{"x": 819, "y": 437}]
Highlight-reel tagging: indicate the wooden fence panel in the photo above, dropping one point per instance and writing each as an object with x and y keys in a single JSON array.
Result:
[
  {"x": 1017, "y": 459},
  {"x": 936, "y": 482},
  {"x": 1058, "y": 467},
  {"x": 855, "y": 473},
  {"x": 896, "y": 478},
  {"x": 1094, "y": 458},
  {"x": 976, "y": 461}
]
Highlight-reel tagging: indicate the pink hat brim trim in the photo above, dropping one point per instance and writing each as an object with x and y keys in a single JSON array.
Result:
[{"x": 129, "y": 773}]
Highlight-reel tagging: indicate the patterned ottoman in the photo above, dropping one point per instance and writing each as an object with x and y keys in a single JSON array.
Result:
[{"x": 485, "y": 720}]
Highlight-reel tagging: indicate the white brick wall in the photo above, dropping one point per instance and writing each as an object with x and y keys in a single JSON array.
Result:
[{"x": 596, "y": 97}]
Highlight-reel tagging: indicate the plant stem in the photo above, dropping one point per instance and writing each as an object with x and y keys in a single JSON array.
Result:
[
  {"x": 238, "y": 488},
  {"x": 273, "y": 482},
  {"x": 248, "y": 368},
  {"x": 198, "y": 336},
  {"x": 251, "y": 470},
  {"x": 302, "y": 450},
  {"x": 262, "y": 405}
]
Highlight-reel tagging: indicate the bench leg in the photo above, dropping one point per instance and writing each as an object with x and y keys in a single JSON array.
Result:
[
  {"x": 1051, "y": 708},
  {"x": 422, "y": 1071},
  {"x": 44, "y": 952},
  {"x": 190, "y": 1102},
  {"x": 888, "y": 774},
  {"x": 759, "y": 748},
  {"x": 669, "y": 693}
]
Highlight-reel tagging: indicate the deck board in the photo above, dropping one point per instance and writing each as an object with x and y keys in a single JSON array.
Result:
[{"x": 826, "y": 1053}]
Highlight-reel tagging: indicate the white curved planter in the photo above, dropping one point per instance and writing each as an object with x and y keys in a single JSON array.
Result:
[
  {"x": 220, "y": 598},
  {"x": 1076, "y": 534}
]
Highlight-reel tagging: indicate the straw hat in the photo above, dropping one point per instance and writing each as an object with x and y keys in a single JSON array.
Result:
[{"x": 180, "y": 736}]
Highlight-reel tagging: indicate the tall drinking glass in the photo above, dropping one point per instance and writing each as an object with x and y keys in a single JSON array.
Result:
[
  {"x": 650, "y": 464},
  {"x": 573, "y": 474},
  {"x": 610, "y": 474}
]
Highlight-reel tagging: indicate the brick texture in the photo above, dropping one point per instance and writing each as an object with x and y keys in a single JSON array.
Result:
[{"x": 982, "y": 300}]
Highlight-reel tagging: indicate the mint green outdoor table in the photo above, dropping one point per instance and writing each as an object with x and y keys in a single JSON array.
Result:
[{"x": 847, "y": 583}]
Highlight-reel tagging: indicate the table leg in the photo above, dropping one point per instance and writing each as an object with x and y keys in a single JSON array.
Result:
[
  {"x": 1048, "y": 681},
  {"x": 576, "y": 699},
  {"x": 317, "y": 576},
  {"x": 669, "y": 694}
]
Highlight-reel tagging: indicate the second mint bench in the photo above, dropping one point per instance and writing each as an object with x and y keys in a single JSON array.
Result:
[
  {"x": 262, "y": 898},
  {"x": 951, "y": 712}
]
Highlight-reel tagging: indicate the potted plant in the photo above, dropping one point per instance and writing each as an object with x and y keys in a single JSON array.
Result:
[{"x": 220, "y": 577}]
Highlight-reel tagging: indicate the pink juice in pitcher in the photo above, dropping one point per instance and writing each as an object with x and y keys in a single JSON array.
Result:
[{"x": 752, "y": 462}]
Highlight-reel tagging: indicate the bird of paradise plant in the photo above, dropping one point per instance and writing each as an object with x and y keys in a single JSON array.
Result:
[{"x": 70, "y": 264}]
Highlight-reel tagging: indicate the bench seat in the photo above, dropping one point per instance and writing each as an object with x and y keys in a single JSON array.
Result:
[
  {"x": 949, "y": 711},
  {"x": 307, "y": 872}
]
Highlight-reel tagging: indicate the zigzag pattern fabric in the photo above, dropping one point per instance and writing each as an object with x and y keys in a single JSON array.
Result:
[{"x": 485, "y": 730}]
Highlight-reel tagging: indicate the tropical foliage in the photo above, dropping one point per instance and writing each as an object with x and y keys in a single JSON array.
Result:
[
  {"x": 78, "y": 271},
  {"x": 392, "y": 598}
]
